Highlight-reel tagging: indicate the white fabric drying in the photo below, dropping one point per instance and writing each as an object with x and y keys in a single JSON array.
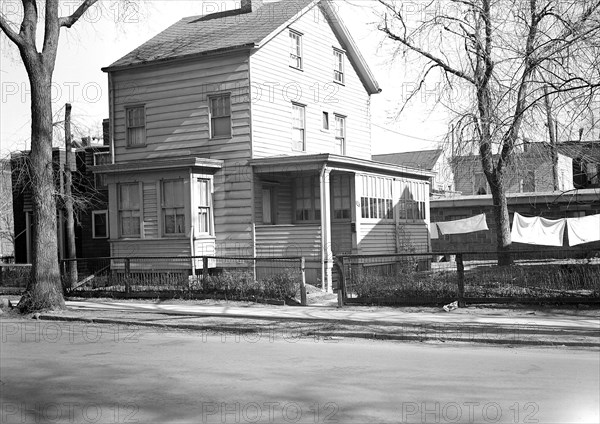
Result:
[
  {"x": 538, "y": 230},
  {"x": 585, "y": 229},
  {"x": 462, "y": 226}
]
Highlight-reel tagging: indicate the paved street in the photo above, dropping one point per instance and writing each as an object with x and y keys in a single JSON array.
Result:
[{"x": 77, "y": 372}]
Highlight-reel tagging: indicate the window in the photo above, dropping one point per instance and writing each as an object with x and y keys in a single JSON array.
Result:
[
  {"x": 340, "y": 135},
  {"x": 341, "y": 196},
  {"x": 295, "y": 50},
  {"x": 412, "y": 203},
  {"x": 99, "y": 224},
  {"x": 528, "y": 182},
  {"x": 129, "y": 210},
  {"x": 102, "y": 158},
  {"x": 307, "y": 199},
  {"x": 376, "y": 200},
  {"x": 298, "y": 127},
  {"x": 338, "y": 66},
  {"x": 326, "y": 121},
  {"x": 136, "y": 125},
  {"x": 268, "y": 197},
  {"x": 480, "y": 185},
  {"x": 220, "y": 116},
  {"x": 204, "y": 201},
  {"x": 173, "y": 209}
]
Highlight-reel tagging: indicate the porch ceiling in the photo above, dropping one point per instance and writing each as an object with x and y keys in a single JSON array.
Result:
[{"x": 304, "y": 163}]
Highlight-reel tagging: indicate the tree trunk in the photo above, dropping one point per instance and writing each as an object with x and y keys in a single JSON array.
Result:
[
  {"x": 502, "y": 221},
  {"x": 44, "y": 288}
]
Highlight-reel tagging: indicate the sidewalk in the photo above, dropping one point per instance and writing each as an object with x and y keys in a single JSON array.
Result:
[{"x": 509, "y": 326}]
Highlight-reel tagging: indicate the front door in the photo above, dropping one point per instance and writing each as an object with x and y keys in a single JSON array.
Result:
[{"x": 341, "y": 213}]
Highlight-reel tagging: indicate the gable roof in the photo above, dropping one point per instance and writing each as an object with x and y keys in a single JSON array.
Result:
[
  {"x": 422, "y": 159},
  {"x": 238, "y": 29}
]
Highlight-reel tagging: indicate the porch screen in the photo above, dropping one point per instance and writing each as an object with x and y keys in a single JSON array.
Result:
[
  {"x": 307, "y": 196},
  {"x": 376, "y": 201},
  {"x": 204, "y": 199},
  {"x": 412, "y": 202}
]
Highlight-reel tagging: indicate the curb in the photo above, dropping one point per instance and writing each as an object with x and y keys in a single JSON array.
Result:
[{"x": 328, "y": 334}]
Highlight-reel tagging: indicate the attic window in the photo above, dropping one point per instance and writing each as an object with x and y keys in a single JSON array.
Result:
[
  {"x": 295, "y": 49},
  {"x": 338, "y": 66}
]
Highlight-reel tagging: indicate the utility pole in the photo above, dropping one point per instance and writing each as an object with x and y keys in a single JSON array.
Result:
[
  {"x": 71, "y": 250},
  {"x": 552, "y": 135}
]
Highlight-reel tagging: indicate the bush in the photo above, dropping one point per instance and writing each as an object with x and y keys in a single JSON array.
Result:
[{"x": 15, "y": 276}]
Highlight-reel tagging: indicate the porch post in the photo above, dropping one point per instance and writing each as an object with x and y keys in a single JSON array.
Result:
[{"x": 326, "y": 255}]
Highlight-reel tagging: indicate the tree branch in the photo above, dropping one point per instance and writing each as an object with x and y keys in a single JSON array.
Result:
[
  {"x": 10, "y": 33},
  {"x": 69, "y": 21}
]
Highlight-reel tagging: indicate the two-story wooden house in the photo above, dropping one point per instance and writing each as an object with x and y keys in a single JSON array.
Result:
[{"x": 247, "y": 133}]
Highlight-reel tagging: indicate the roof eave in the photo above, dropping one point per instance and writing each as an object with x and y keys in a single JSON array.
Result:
[{"x": 230, "y": 49}]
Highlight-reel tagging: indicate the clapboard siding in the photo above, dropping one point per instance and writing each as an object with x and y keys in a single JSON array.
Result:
[
  {"x": 175, "y": 96},
  {"x": 377, "y": 238},
  {"x": 272, "y": 109},
  {"x": 150, "y": 211},
  {"x": 289, "y": 240},
  {"x": 150, "y": 247}
]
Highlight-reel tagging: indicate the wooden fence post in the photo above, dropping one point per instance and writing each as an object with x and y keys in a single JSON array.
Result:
[
  {"x": 204, "y": 274},
  {"x": 303, "y": 282},
  {"x": 127, "y": 275},
  {"x": 460, "y": 272}
]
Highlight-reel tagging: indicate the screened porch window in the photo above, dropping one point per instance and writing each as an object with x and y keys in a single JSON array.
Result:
[
  {"x": 136, "y": 125},
  {"x": 412, "y": 202},
  {"x": 376, "y": 201},
  {"x": 307, "y": 203},
  {"x": 129, "y": 210},
  {"x": 173, "y": 207}
]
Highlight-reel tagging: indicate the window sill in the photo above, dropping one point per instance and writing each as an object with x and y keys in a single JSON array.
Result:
[
  {"x": 222, "y": 137},
  {"x": 136, "y": 146},
  {"x": 99, "y": 238},
  {"x": 296, "y": 68},
  {"x": 339, "y": 83}
]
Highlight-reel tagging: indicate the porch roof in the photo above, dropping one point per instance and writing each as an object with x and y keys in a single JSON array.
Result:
[
  {"x": 315, "y": 162},
  {"x": 202, "y": 164}
]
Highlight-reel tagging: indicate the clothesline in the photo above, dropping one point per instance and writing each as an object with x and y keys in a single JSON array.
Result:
[{"x": 530, "y": 230}]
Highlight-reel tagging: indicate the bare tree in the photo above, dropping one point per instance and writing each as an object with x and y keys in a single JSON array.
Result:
[
  {"x": 501, "y": 54},
  {"x": 44, "y": 290}
]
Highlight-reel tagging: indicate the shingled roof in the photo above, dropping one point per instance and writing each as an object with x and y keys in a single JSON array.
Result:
[
  {"x": 237, "y": 29},
  {"x": 422, "y": 159},
  {"x": 196, "y": 35}
]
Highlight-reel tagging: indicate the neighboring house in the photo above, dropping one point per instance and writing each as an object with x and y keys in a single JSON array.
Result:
[
  {"x": 434, "y": 160},
  {"x": 530, "y": 172},
  {"x": 90, "y": 198},
  {"x": 7, "y": 248},
  {"x": 586, "y": 162},
  {"x": 247, "y": 132}
]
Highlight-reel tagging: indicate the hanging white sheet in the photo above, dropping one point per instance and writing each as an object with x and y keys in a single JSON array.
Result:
[
  {"x": 585, "y": 229},
  {"x": 462, "y": 226},
  {"x": 538, "y": 230}
]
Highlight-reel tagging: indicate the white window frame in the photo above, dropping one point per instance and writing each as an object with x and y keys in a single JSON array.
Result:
[
  {"x": 302, "y": 129},
  {"x": 204, "y": 206},
  {"x": 132, "y": 126},
  {"x": 94, "y": 214},
  {"x": 177, "y": 209},
  {"x": 339, "y": 63},
  {"x": 213, "y": 115},
  {"x": 296, "y": 60},
  {"x": 412, "y": 202},
  {"x": 131, "y": 212},
  {"x": 340, "y": 137}
]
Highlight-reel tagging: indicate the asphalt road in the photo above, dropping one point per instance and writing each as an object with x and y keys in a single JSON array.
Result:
[{"x": 55, "y": 372}]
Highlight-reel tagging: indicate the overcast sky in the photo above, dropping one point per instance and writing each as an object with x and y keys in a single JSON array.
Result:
[{"x": 112, "y": 29}]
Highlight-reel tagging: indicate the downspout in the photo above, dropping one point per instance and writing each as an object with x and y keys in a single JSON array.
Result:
[{"x": 111, "y": 117}]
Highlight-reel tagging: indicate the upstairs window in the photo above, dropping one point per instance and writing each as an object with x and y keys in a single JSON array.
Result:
[
  {"x": 173, "y": 207},
  {"x": 295, "y": 49},
  {"x": 338, "y": 66},
  {"x": 340, "y": 135},
  {"x": 298, "y": 127},
  {"x": 129, "y": 210},
  {"x": 135, "y": 118},
  {"x": 220, "y": 116}
]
